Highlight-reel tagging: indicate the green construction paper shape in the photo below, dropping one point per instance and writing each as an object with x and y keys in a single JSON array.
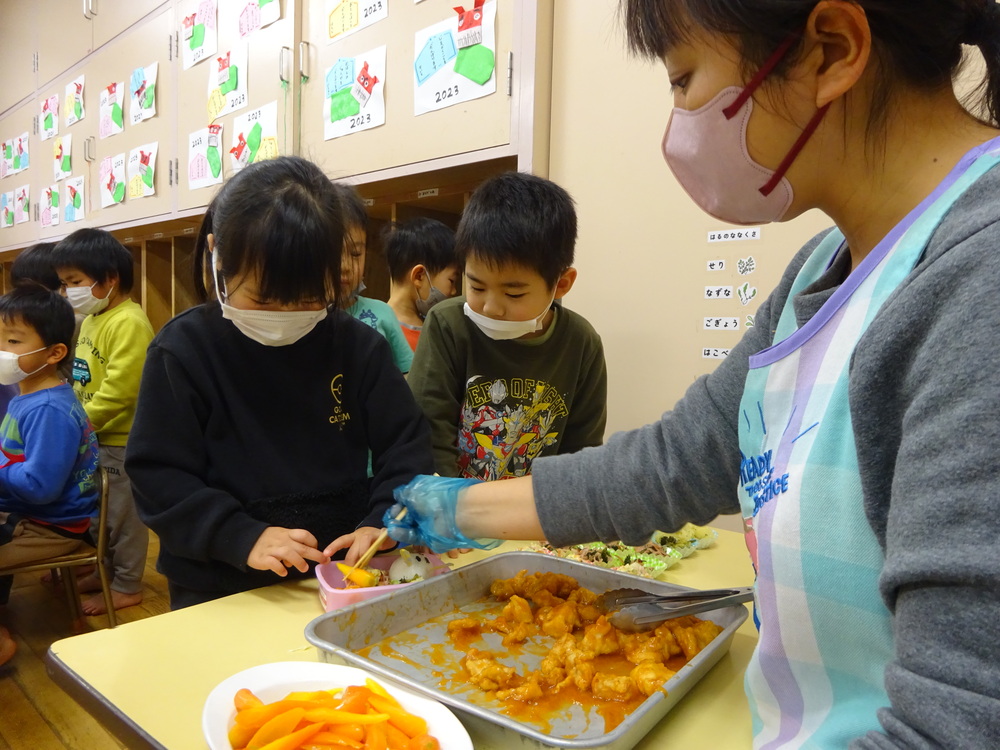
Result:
[
  {"x": 232, "y": 83},
  {"x": 262, "y": 3},
  {"x": 77, "y": 200},
  {"x": 8, "y": 151},
  {"x": 48, "y": 121},
  {"x": 17, "y": 162},
  {"x": 78, "y": 109},
  {"x": 147, "y": 176},
  {"x": 214, "y": 160},
  {"x": 119, "y": 194},
  {"x": 116, "y": 115},
  {"x": 55, "y": 199},
  {"x": 253, "y": 141},
  {"x": 343, "y": 105},
  {"x": 475, "y": 63},
  {"x": 198, "y": 36},
  {"x": 150, "y": 97},
  {"x": 67, "y": 164}
]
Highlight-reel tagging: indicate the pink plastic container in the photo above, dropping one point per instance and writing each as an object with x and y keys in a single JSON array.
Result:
[{"x": 333, "y": 595}]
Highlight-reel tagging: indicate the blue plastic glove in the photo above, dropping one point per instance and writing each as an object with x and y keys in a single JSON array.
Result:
[{"x": 431, "y": 504}]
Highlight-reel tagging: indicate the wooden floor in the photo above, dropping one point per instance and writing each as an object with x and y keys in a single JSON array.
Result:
[{"x": 35, "y": 714}]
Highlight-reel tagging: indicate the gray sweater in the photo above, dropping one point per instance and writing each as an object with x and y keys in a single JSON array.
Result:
[{"x": 925, "y": 404}]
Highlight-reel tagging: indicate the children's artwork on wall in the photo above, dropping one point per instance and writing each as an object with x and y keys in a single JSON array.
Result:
[
  {"x": 141, "y": 170},
  {"x": 48, "y": 120},
  {"x": 142, "y": 93},
  {"x": 73, "y": 203},
  {"x": 111, "y": 180},
  {"x": 227, "y": 83},
  {"x": 50, "y": 206},
  {"x": 255, "y": 136},
  {"x": 199, "y": 34},
  {"x": 6, "y": 209},
  {"x": 257, "y": 14},
  {"x": 22, "y": 204},
  {"x": 15, "y": 156},
  {"x": 62, "y": 157},
  {"x": 73, "y": 101},
  {"x": 205, "y": 157},
  {"x": 112, "y": 115},
  {"x": 344, "y": 17},
  {"x": 746, "y": 266},
  {"x": 746, "y": 293},
  {"x": 455, "y": 60},
  {"x": 355, "y": 94}
]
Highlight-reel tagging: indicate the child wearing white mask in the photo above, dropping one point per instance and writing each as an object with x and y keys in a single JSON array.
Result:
[
  {"x": 503, "y": 374},
  {"x": 47, "y": 492},
  {"x": 258, "y": 409},
  {"x": 97, "y": 275},
  {"x": 423, "y": 271}
]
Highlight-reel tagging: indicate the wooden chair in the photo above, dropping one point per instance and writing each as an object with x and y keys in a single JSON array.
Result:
[{"x": 92, "y": 556}]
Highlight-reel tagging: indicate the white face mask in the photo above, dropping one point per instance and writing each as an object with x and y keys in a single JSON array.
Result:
[
  {"x": 502, "y": 330},
  {"x": 10, "y": 367},
  {"x": 268, "y": 327},
  {"x": 83, "y": 300}
]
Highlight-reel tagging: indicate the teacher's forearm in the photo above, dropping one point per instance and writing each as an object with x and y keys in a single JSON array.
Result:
[{"x": 499, "y": 510}]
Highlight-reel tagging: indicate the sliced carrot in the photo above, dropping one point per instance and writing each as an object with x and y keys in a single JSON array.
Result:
[
  {"x": 333, "y": 739},
  {"x": 276, "y": 728},
  {"x": 375, "y": 738},
  {"x": 424, "y": 742},
  {"x": 240, "y": 734},
  {"x": 410, "y": 725},
  {"x": 245, "y": 699},
  {"x": 295, "y": 739},
  {"x": 260, "y": 715},
  {"x": 334, "y": 716},
  {"x": 354, "y": 699},
  {"x": 395, "y": 738},
  {"x": 354, "y": 732},
  {"x": 379, "y": 690}
]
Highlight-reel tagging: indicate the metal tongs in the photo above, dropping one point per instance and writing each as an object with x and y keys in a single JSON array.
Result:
[{"x": 635, "y": 610}]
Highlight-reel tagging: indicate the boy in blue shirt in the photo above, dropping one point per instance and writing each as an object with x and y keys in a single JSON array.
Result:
[{"x": 48, "y": 450}]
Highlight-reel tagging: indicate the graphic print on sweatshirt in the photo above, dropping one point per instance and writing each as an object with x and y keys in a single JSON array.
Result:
[{"x": 506, "y": 423}]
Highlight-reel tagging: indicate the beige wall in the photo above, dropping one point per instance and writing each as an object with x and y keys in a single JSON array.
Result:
[{"x": 643, "y": 251}]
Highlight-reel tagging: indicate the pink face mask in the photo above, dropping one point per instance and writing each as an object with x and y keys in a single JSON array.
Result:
[{"x": 706, "y": 149}]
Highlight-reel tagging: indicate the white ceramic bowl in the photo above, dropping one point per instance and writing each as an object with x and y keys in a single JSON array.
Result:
[{"x": 271, "y": 682}]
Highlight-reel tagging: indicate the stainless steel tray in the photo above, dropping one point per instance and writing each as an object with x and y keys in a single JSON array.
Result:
[{"x": 340, "y": 633}]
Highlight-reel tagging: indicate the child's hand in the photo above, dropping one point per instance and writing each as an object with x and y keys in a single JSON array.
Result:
[
  {"x": 357, "y": 543},
  {"x": 278, "y": 549}
]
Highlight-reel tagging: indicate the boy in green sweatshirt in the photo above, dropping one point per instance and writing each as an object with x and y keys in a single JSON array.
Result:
[
  {"x": 96, "y": 273},
  {"x": 506, "y": 373}
]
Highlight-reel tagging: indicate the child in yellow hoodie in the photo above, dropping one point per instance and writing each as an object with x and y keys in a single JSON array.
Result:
[{"x": 96, "y": 274}]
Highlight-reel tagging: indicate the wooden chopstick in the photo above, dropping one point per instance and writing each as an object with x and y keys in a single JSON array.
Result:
[{"x": 367, "y": 557}]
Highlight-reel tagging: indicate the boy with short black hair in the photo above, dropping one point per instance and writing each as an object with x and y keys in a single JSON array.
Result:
[
  {"x": 504, "y": 374},
  {"x": 371, "y": 312},
  {"x": 47, "y": 490},
  {"x": 96, "y": 273},
  {"x": 423, "y": 271}
]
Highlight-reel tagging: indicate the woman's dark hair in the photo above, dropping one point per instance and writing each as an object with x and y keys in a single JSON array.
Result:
[
  {"x": 98, "y": 254},
  {"x": 45, "y": 310},
  {"x": 282, "y": 218},
  {"x": 35, "y": 264},
  {"x": 419, "y": 242},
  {"x": 517, "y": 218},
  {"x": 918, "y": 42}
]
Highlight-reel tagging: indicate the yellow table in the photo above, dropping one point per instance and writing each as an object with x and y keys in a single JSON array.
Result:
[{"x": 147, "y": 681}]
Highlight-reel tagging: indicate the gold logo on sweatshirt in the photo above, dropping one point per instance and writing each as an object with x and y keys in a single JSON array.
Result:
[{"x": 340, "y": 416}]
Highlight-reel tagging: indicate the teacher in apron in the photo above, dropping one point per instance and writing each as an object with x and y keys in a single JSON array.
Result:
[{"x": 856, "y": 427}]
